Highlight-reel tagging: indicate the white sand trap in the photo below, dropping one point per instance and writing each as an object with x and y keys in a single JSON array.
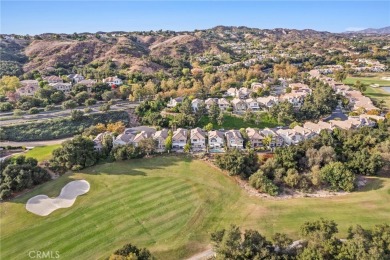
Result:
[
  {"x": 42, "y": 205},
  {"x": 386, "y": 78}
]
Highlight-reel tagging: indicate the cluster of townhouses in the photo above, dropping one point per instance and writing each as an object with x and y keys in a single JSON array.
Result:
[
  {"x": 29, "y": 87},
  {"x": 218, "y": 140},
  {"x": 356, "y": 98},
  {"x": 241, "y": 98},
  {"x": 359, "y": 65}
]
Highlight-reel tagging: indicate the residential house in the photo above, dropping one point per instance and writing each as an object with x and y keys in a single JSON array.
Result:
[
  {"x": 299, "y": 88},
  {"x": 53, "y": 79},
  {"x": 296, "y": 99},
  {"x": 216, "y": 140},
  {"x": 318, "y": 127},
  {"x": 255, "y": 137},
  {"x": 195, "y": 104},
  {"x": 113, "y": 81},
  {"x": 198, "y": 139},
  {"x": 290, "y": 136},
  {"x": 173, "y": 102},
  {"x": 255, "y": 86},
  {"x": 252, "y": 104},
  {"x": 210, "y": 101},
  {"x": 234, "y": 139},
  {"x": 28, "y": 90},
  {"x": 231, "y": 92},
  {"x": 276, "y": 139},
  {"x": 30, "y": 82},
  {"x": 98, "y": 140},
  {"x": 267, "y": 102},
  {"x": 124, "y": 139},
  {"x": 179, "y": 138},
  {"x": 239, "y": 105},
  {"x": 350, "y": 123},
  {"x": 243, "y": 93},
  {"x": 223, "y": 104},
  {"x": 304, "y": 132},
  {"x": 64, "y": 87},
  {"x": 75, "y": 78},
  {"x": 89, "y": 83},
  {"x": 143, "y": 135},
  {"x": 160, "y": 137}
]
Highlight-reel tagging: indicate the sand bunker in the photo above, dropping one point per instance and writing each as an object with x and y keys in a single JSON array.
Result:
[
  {"x": 386, "y": 78},
  {"x": 42, "y": 205}
]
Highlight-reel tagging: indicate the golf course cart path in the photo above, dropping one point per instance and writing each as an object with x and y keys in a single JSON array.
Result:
[{"x": 42, "y": 205}]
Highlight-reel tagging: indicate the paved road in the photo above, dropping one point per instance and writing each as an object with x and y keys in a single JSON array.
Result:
[
  {"x": 202, "y": 255},
  {"x": 34, "y": 143},
  {"x": 337, "y": 113}
]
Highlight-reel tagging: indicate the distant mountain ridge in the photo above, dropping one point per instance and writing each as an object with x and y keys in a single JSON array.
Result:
[{"x": 384, "y": 30}]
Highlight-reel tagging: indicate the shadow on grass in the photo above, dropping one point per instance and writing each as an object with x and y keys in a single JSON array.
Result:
[{"x": 373, "y": 183}]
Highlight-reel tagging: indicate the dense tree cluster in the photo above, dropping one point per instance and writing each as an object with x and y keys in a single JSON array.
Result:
[
  {"x": 238, "y": 163},
  {"x": 317, "y": 241},
  {"x": 19, "y": 173},
  {"x": 331, "y": 161},
  {"x": 130, "y": 251},
  {"x": 74, "y": 154},
  {"x": 81, "y": 151}
]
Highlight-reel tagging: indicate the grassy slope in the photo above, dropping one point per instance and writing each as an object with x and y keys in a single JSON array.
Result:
[
  {"x": 235, "y": 122},
  {"x": 42, "y": 153},
  {"x": 377, "y": 94},
  {"x": 169, "y": 205}
]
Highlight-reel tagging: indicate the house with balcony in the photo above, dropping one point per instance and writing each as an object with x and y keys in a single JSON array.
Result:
[
  {"x": 267, "y": 102},
  {"x": 234, "y": 139},
  {"x": 255, "y": 137},
  {"x": 198, "y": 139},
  {"x": 290, "y": 137},
  {"x": 239, "y": 105},
  {"x": 216, "y": 140},
  {"x": 160, "y": 137},
  {"x": 124, "y": 139},
  {"x": 304, "y": 132},
  {"x": 179, "y": 138},
  {"x": 223, "y": 104},
  {"x": 143, "y": 135},
  {"x": 275, "y": 139},
  {"x": 252, "y": 104}
]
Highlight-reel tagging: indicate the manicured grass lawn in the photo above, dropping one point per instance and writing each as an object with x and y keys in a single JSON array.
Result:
[
  {"x": 237, "y": 122},
  {"x": 368, "y": 80},
  {"x": 42, "y": 153},
  {"x": 170, "y": 205},
  {"x": 376, "y": 94}
]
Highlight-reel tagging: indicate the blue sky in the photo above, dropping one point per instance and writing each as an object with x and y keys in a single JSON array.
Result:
[{"x": 34, "y": 17}]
